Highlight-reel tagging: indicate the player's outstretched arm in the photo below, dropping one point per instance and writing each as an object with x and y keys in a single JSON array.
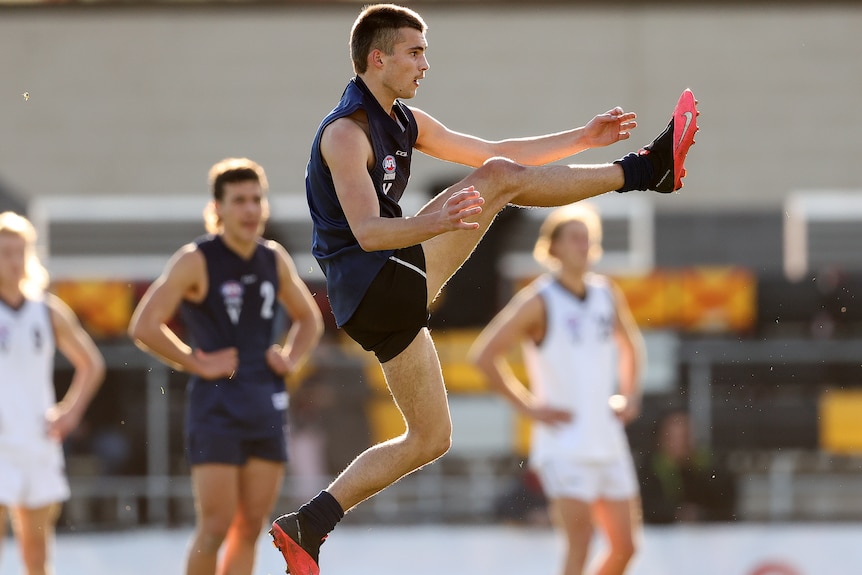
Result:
[{"x": 438, "y": 141}]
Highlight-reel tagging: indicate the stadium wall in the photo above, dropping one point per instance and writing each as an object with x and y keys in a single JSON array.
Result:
[{"x": 142, "y": 100}]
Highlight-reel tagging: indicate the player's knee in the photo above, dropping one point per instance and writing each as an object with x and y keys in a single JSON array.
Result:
[
  {"x": 623, "y": 550},
  {"x": 430, "y": 444},
  {"x": 502, "y": 172},
  {"x": 248, "y": 526},
  {"x": 211, "y": 532}
]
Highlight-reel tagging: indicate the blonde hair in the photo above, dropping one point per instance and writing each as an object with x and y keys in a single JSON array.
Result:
[
  {"x": 36, "y": 278},
  {"x": 581, "y": 212}
]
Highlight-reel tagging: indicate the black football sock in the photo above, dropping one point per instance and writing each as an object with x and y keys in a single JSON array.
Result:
[
  {"x": 322, "y": 513},
  {"x": 638, "y": 171}
]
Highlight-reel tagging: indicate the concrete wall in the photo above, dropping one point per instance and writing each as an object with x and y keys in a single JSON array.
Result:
[{"x": 143, "y": 100}]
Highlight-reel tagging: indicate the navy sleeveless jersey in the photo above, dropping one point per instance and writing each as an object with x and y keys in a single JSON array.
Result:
[
  {"x": 239, "y": 310},
  {"x": 349, "y": 269}
]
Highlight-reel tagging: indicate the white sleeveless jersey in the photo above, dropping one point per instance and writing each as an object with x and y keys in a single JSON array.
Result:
[
  {"x": 575, "y": 368},
  {"x": 26, "y": 376}
]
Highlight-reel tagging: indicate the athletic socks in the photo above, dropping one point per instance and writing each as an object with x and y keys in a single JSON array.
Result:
[
  {"x": 638, "y": 171},
  {"x": 321, "y": 514}
]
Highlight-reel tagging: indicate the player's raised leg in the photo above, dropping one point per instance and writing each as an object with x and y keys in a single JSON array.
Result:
[
  {"x": 658, "y": 166},
  {"x": 502, "y": 182}
]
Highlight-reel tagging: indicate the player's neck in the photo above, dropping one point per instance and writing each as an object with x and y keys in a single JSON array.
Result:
[
  {"x": 240, "y": 246},
  {"x": 572, "y": 280},
  {"x": 384, "y": 96},
  {"x": 11, "y": 295}
]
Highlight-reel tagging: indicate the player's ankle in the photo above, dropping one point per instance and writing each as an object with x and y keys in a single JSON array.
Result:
[
  {"x": 322, "y": 513},
  {"x": 638, "y": 172}
]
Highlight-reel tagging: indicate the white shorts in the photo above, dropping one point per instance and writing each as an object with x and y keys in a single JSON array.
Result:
[
  {"x": 589, "y": 481},
  {"x": 33, "y": 479}
]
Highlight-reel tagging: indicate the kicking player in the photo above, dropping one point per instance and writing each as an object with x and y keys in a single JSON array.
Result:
[{"x": 383, "y": 269}]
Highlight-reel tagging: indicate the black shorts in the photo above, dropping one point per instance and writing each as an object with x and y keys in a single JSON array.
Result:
[{"x": 395, "y": 307}]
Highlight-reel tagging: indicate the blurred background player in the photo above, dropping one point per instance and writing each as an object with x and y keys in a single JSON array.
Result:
[
  {"x": 229, "y": 287},
  {"x": 681, "y": 482},
  {"x": 33, "y": 323},
  {"x": 383, "y": 270},
  {"x": 579, "y": 343}
]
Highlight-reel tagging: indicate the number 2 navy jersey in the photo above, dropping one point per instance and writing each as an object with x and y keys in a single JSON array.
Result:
[
  {"x": 239, "y": 310},
  {"x": 348, "y": 268}
]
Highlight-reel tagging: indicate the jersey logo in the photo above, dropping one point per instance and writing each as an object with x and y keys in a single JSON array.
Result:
[
  {"x": 389, "y": 164},
  {"x": 231, "y": 293},
  {"x": 4, "y": 338}
]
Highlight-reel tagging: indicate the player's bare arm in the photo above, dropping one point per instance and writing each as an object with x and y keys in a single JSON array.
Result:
[
  {"x": 522, "y": 319},
  {"x": 307, "y": 321},
  {"x": 184, "y": 278},
  {"x": 89, "y": 369},
  {"x": 347, "y": 151},
  {"x": 631, "y": 358},
  {"x": 438, "y": 141}
]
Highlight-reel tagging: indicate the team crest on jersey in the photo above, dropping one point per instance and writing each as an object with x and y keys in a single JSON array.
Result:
[
  {"x": 389, "y": 164},
  {"x": 231, "y": 293}
]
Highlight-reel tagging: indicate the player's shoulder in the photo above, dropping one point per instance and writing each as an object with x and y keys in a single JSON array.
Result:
[
  {"x": 343, "y": 136},
  {"x": 599, "y": 281},
  {"x": 532, "y": 293},
  {"x": 187, "y": 254},
  {"x": 59, "y": 310},
  {"x": 187, "y": 263},
  {"x": 273, "y": 246},
  {"x": 540, "y": 284}
]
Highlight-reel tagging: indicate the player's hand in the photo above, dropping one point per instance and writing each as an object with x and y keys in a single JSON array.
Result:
[
  {"x": 625, "y": 408},
  {"x": 279, "y": 361},
  {"x": 60, "y": 422},
  {"x": 550, "y": 415},
  {"x": 216, "y": 364},
  {"x": 464, "y": 203},
  {"x": 610, "y": 127}
]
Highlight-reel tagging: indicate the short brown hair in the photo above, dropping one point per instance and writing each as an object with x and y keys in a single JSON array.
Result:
[
  {"x": 232, "y": 170},
  {"x": 229, "y": 171},
  {"x": 377, "y": 26}
]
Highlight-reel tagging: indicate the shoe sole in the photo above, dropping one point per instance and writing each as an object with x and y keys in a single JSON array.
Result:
[
  {"x": 298, "y": 561},
  {"x": 684, "y": 128}
]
